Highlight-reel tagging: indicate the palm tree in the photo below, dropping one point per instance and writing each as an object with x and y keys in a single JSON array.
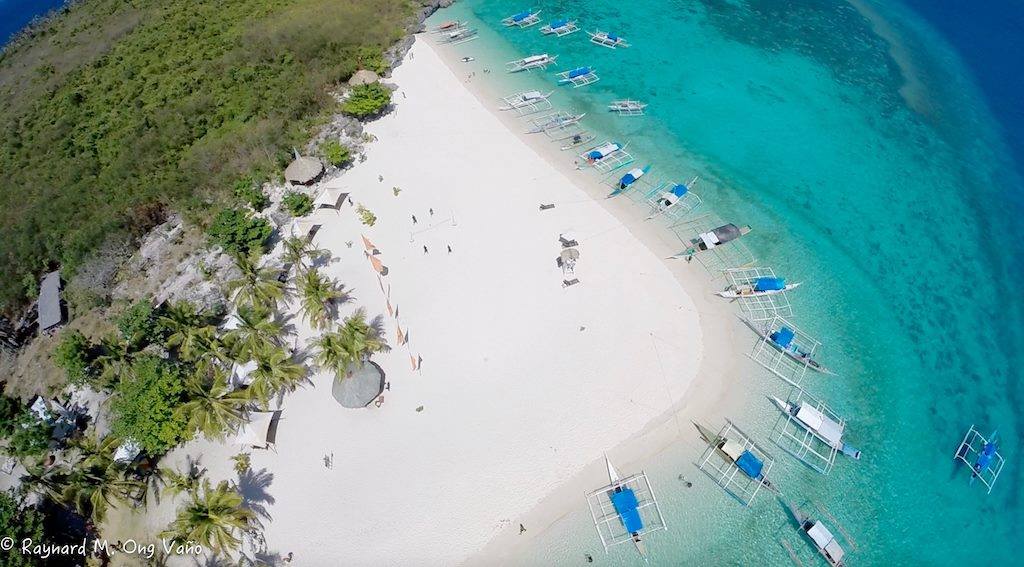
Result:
[
  {"x": 257, "y": 328},
  {"x": 257, "y": 287},
  {"x": 214, "y": 517},
  {"x": 212, "y": 408},
  {"x": 177, "y": 482},
  {"x": 298, "y": 251},
  {"x": 188, "y": 328},
  {"x": 275, "y": 371},
  {"x": 350, "y": 346},
  {"x": 94, "y": 481},
  {"x": 113, "y": 361},
  {"x": 320, "y": 298}
]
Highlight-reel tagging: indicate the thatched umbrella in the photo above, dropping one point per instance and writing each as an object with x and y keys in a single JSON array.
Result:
[
  {"x": 363, "y": 77},
  {"x": 303, "y": 170},
  {"x": 360, "y": 387}
]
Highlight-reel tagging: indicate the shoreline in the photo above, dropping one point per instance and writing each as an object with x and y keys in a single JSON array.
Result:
[{"x": 708, "y": 396}]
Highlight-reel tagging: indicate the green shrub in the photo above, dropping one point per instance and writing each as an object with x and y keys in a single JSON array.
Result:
[
  {"x": 144, "y": 405},
  {"x": 335, "y": 153},
  {"x": 298, "y": 204},
  {"x": 20, "y": 523},
  {"x": 238, "y": 232},
  {"x": 367, "y": 217},
  {"x": 367, "y": 100},
  {"x": 10, "y": 409},
  {"x": 138, "y": 324},
  {"x": 30, "y": 436},
  {"x": 249, "y": 191},
  {"x": 74, "y": 355}
]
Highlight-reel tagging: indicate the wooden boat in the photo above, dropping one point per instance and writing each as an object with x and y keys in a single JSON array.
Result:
[
  {"x": 607, "y": 39},
  {"x": 625, "y": 510},
  {"x": 759, "y": 287},
  {"x": 627, "y": 107},
  {"x": 982, "y": 455},
  {"x": 560, "y": 28},
  {"x": 448, "y": 26},
  {"x": 739, "y": 452},
  {"x": 458, "y": 36},
  {"x": 578, "y": 77},
  {"x": 819, "y": 535},
  {"x": 784, "y": 339},
  {"x": 627, "y": 180},
  {"x": 524, "y": 19},
  {"x": 577, "y": 140},
  {"x": 525, "y": 99},
  {"x": 817, "y": 422},
  {"x": 529, "y": 63},
  {"x": 714, "y": 238}
]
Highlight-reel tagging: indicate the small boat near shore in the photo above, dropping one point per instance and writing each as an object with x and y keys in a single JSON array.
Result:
[
  {"x": 554, "y": 121},
  {"x": 784, "y": 337},
  {"x": 458, "y": 36},
  {"x": 627, "y": 180},
  {"x": 529, "y": 63},
  {"x": 607, "y": 39},
  {"x": 813, "y": 422},
  {"x": 578, "y": 139},
  {"x": 625, "y": 510},
  {"x": 527, "y": 102},
  {"x": 982, "y": 455},
  {"x": 819, "y": 535},
  {"x": 735, "y": 462},
  {"x": 578, "y": 77},
  {"x": 713, "y": 238},
  {"x": 524, "y": 19},
  {"x": 674, "y": 200},
  {"x": 561, "y": 27},
  {"x": 448, "y": 26},
  {"x": 607, "y": 156},
  {"x": 760, "y": 287},
  {"x": 627, "y": 107}
]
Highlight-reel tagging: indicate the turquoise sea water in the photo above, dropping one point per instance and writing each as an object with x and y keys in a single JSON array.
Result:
[{"x": 865, "y": 158}]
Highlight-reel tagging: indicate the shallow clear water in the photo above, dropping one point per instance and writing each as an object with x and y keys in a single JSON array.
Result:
[{"x": 893, "y": 199}]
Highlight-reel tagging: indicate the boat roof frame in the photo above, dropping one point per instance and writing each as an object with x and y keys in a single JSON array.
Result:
[
  {"x": 727, "y": 474},
  {"x": 619, "y": 42},
  {"x": 569, "y": 28},
  {"x": 683, "y": 207},
  {"x": 759, "y": 307},
  {"x": 969, "y": 440},
  {"x": 528, "y": 108},
  {"x": 770, "y": 356},
  {"x": 800, "y": 441},
  {"x": 602, "y": 511},
  {"x": 588, "y": 78},
  {"x": 555, "y": 120},
  {"x": 448, "y": 40}
]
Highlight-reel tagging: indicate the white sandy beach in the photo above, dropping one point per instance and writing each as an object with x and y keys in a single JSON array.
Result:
[{"x": 524, "y": 384}]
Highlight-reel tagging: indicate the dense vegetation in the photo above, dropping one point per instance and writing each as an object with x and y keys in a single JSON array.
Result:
[
  {"x": 119, "y": 110},
  {"x": 297, "y": 204},
  {"x": 367, "y": 100}
]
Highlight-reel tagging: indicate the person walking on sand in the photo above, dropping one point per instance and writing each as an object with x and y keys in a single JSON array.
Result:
[
  {"x": 431, "y": 211},
  {"x": 522, "y": 529},
  {"x": 425, "y": 249},
  {"x": 380, "y": 179},
  {"x": 414, "y": 219},
  {"x": 449, "y": 248}
]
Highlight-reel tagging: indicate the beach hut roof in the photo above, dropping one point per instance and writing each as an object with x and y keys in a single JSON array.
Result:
[
  {"x": 360, "y": 388},
  {"x": 363, "y": 77},
  {"x": 50, "y": 314},
  {"x": 303, "y": 170},
  {"x": 256, "y": 433}
]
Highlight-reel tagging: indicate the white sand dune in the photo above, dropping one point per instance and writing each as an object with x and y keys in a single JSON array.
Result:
[{"x": 523, "y": 385}]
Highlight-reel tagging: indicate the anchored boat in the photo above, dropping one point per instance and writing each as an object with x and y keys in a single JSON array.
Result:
[
  {"x": 735, "y": 462},
  {"x": 627, "y": 180},
  {"x": 820, "y": 536},
  {"x": 759, "y": 287},
  {"x": 607, "y": 156},
  {"x": 625, "y": 510},
  {"x": 714, "y": 238},
  {"x": 982, "y": 455},
  {"x": 527, "y": 102},
  {"x": 529, "y": 63},
  {"x": 607, "y": 39},
  {"x": 673, "y": 200},
  {"x": 554, "y": 121},
  {"x": 809, "y": 425},
  {"x": 627, "y": 107},
  {"x": 459, "y": 35},
  {"x": 785, "y": 339},
  {"x": 448, "y": 26},
  {"x": 560, "y": 27},
  {"x": 523, "y": 19},
  {"x": 578, "y": 77}
]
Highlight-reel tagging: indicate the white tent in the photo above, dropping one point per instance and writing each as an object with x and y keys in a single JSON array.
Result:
[
  {"x": 330, "y": 198},
  {"x": 256, "y": 433},
  {"x": 305, "y": 228}
]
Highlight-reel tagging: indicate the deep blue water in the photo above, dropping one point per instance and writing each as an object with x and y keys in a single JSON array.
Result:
[{"x": 15, "y": 14}]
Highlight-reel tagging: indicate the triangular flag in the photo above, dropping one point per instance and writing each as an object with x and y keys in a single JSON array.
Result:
[
  {"x": 419, "y": 362},
  {"x": 401, "y": 337},
  {"x": 413, "y": 360},
  {"x": 391, "y": 311},
  {"x": 369, "y": 246},
  {"x": 379, "y": 266}
]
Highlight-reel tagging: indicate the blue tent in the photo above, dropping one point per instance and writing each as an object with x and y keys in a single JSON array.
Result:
[
  {"x": 680, "y": 190},
  {"x": 750, "y": 464},
  {"x": 578, "y": 72},
  {"x": 558, "y": 24},
  {"x": 769, "y": 284},
  {"x": 783, "y": 337},
  {"x": 626, "y": 507},
  {"x": 521, "y": 16},
  {"x": 613, "y": 37}
]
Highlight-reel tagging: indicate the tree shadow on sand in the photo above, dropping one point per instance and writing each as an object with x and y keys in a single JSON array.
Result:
[{"x": 252, "y": 486}]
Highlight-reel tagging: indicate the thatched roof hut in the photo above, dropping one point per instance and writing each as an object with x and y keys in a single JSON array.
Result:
[
  {"x": 363, "y": 77},
  {"x": 360, "y": 388},
  {"x": 303, "y": 170}
]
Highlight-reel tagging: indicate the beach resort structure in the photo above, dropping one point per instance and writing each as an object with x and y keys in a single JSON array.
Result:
[
  {"x": 303, "y": 170},
  {"x": 49, "y": 306}
]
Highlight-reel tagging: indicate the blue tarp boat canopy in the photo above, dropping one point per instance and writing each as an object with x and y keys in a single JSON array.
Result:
[
  {"x": 769, "y": 284},
  {"x": 680, "y": 190},
  {"x": 783, "y": 337},
  {"x": 521, "y": 16},
  {"x": 559, "y": 24},
  {"x": 612, "y": 37},
  {"x": 749, "y": 464},
  {"x": 626, "y": 506},
  {"x": 578, "y": 72}
]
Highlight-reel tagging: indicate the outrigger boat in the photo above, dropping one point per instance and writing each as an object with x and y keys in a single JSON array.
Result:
[
  {"x": 560, "y": 28},
  {"x": 532, "y": 62},
  {"x": 759, "y": 287},
  {"x": 982, "y": 455},
  {"x": 673, "y": 199},
  {"x": 737, "y": 454},
  {"x": 823, "y": 540},
  {"x": 627, "y": 107},
  {"x": 714, "y": 238},
  {"x": 607, "y": 39},
  {"x": 527, "y": 101},
  {"x": 448, "y": 26},
  {"x": 627, "y": 180},
  {"x": 577, "y": 139},
  {"x": 578, "y": 77},
  {"x": 461, "y": 35},
  {"x": 625, "y": 510},
  {"x": 523, "y": 19},
  {"x": 555, "y": 120},
  {"x": 785, "y": 338},
  {"x": 607, "y": 156},
  {"x": 819, "y": 422}
]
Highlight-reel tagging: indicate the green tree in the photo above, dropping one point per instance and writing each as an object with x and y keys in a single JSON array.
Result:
[
  {"x": 30, "y": 436},
  {"x": 186, "y": 329},
  {"x": 350, "y": 346},
  {"x": 145, "y": 405},
  {"x": 74, "y": 353},
  {"x": 238, "y": 232},
  {"x": 248, "y": 190},
  {"x": 257, "y": 328},
  {"x": 113, "y": 361},
  {"x": 213, "y": 516},
  {"x": 367, "y": 100},
  {"x": 275, "y": 372},
  {"x": 298, "y": 204},
  {"x": 211, "y": 408},
  {"x": 256, "y": 286},
  {"x": 19, "y": 523},
  {"x": 335, "y": 153},
  {"x": 138, "y": 324},
  {"x": 300, "y": 253},
  {"x": 320, "y": 297}
]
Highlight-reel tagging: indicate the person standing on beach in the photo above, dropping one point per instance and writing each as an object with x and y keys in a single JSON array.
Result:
[
  {"x": 431, "y": 211},
  {"x": 522, "y": 529},
  {"x": 449, "y": 248},
  {"x": 425, "y": 249},
  {"x": 414, "y": 219}
]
